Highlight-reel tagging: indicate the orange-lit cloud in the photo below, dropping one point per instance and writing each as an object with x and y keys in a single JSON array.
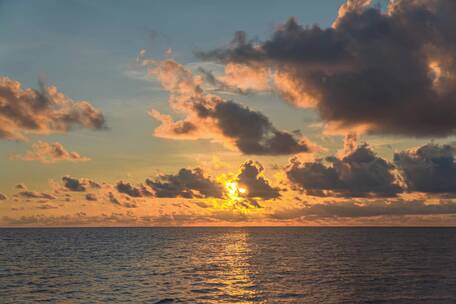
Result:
[
  {"x": 349, "y": 209},
  {"x": 28, "y": 195},
  {"x": 48, "y": 153},
  {"x": 210, "y": 116},
  {"x": 348, "y": 7},
  {"x": 43, "y": 111},
  {"x": 348, "y": 73}
]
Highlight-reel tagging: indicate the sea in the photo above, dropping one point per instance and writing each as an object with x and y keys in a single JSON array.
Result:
[{"x": 228, "y": 265}]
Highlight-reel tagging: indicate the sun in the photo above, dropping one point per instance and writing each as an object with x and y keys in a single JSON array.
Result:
[
  {"x": 235, "y": 193},
  {"x": 234, "y": 190}
]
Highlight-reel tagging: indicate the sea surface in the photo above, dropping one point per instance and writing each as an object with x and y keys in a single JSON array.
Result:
[{"x": 228, "y": 265}]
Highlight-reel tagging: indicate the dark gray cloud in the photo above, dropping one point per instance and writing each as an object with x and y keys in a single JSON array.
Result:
[
  {"x": 385, "y": 72},
  {"x": 251, "y": 177},
  {"x": 131, "y": 190},
  {"x": 186, "y": 183},
  {"x": 43, "y": 111},
  {"x": 359, "y": 174},
  {"x": 430, "y": 168},
  {"x": 78, "y": 184},
  {"x": 252, "y": 131},
  {"x": 73, "y": 184}
]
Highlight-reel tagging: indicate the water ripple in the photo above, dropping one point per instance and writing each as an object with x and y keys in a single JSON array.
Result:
[{"x": 228, "y": 265}]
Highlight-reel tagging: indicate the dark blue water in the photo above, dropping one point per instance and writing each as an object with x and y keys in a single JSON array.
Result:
[{"x": 228, "y": 265}]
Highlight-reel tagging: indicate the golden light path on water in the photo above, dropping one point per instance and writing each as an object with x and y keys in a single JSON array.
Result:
[{"x": 238, "y": 277}]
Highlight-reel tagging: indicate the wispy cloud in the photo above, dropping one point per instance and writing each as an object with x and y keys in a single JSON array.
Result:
[{"x": 49, "y": 153}]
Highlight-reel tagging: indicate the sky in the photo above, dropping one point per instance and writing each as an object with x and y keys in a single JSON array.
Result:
[{"x": 233, "y": 113}]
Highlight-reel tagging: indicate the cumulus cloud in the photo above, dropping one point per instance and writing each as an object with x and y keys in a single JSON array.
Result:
[
  {"x": 256, "y": 185},
  {"x": 78, "y": 184},
  {"x": 48, "y": 153},
  {"x": 43, "y": 111},
  {"x": 187, "y": 183},
  {"x": 210, "y": 116},
  {"x": 390, "y": 72},
  {"x": 3, "y": 197},
  {"x": 360, "y": 173},
  {"x": 350, "y": 6},
  {"x": 430, "y": 168},
  {"x": 131, "y": 190}
]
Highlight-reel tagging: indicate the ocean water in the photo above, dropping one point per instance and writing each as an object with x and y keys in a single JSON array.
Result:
[{"x": 228, "y": 265}]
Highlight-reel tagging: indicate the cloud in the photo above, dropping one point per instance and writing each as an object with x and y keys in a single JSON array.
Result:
[
  {"x": 390, "y": 72},
  {"x": 202, "y": 205},
  {"x": 368, "y": 209},
  {"x": 240, "y": 79},
  {"x": 46, "y": 207},
  {"x": 257, "y": 186},
  {"x": 133, "y": 191},
  {"x": 430, "y": 168},
  {"x": 35, "y": 195},
  {"x": 43, "y": 111},
  {"x": 3, "y": 197},
  {"x": 116, "y": 201},
  {"x": 91, "y": 197},
  {"x": 252, "y": 132},
  {"x": 361, "y": 173},
  {"x": 78, "y": 185},
  {"x": 210, "y": 116},
  {"x": 350, "y": 6},
  {"x": 48, "y": 153},
  {"x": 77, "y": 219},
  {"x": 21, "y": 186},
  {"x": 186, "y": 183},
  {"x": 122, "y": 219}
]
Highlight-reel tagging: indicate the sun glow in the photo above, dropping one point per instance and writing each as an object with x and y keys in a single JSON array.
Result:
[
  {"x": 234, "y": 191},
  {"x": 236, "y": 195}
]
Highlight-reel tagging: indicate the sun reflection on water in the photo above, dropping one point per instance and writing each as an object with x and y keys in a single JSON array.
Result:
[
  {"x": 228, "y": 268},
  {"x": 238, "y": 271}
]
